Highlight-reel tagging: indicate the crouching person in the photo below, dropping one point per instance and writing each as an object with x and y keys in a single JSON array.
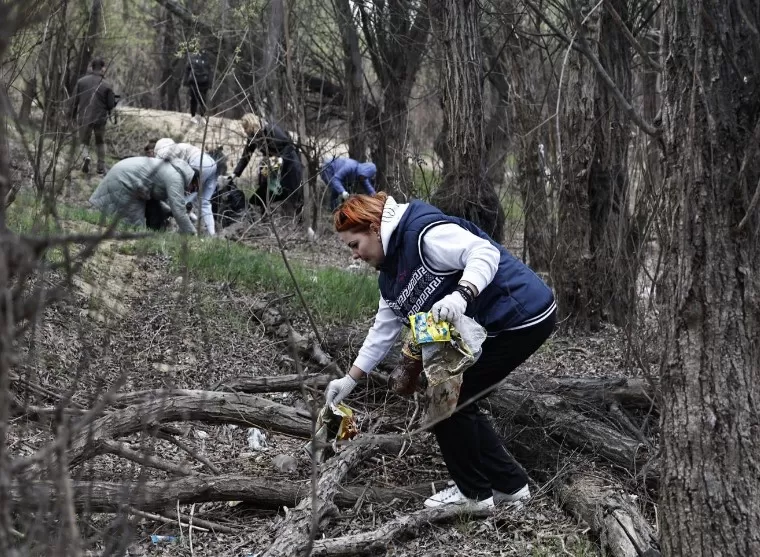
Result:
[{"x": 132, "y": 183}]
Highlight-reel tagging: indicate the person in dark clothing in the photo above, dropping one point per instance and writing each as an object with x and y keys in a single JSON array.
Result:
[
  {"x": 93, "y": 101},
  {"x": 433, "y": 262},
  {"x": 272, "y": 142},
  {"x": 197, "y": 80}
]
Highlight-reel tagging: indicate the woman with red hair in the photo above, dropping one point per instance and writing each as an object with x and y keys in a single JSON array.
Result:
[{"x": 429, "y": 261}]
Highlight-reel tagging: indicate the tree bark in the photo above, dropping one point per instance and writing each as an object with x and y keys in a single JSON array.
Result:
[
  {"x": 297, "y": 533},
  {"x": 354, "y": 80},
  {"x": 269, "y": 82},
  {"x": 377, "y": 540},
  {"x": 396, "y": 33},
  {"x": 572, "y": 268},
  {"x": 711, "y": 378},
  {"x": 88, "y": 41},
  {"x": 612, "y": 514},
  {"x": 159, "y": 495},
  {"x": 206, "y": 406},
  {"x": 275, "y": 383},
  {"x": 567, "y": 426},
  {"x": 465, "y": 190},
  {"x": 614, "y": 240}
]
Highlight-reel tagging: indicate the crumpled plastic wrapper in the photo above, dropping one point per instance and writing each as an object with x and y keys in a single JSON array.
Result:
[
  {"x": 334, "y": 423},
  {"x": 447, "y": 351}
]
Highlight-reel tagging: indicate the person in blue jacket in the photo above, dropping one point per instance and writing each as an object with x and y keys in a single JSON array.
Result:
[
  {"x": 429, "y": 261},
  {"x": 341, "y": 174}
]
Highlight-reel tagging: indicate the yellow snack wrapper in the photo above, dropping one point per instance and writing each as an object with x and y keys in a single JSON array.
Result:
[{"x": 426, "y": 330}]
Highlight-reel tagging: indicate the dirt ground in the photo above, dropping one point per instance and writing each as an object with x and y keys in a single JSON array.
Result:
[{"x": 131, "y": 317}]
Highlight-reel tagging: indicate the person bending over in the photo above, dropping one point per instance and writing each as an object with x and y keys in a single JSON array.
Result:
[{"x": 429, "y": 261}]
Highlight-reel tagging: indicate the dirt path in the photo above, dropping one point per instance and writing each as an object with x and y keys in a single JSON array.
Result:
[{"x": 220, "y": 131}]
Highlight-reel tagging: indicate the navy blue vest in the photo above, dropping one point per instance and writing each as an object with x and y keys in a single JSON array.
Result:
[{"x": 516, "y": 297}]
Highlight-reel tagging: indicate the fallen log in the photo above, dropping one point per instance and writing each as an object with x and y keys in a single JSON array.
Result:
[
  {"x": 183, "y": 405},
  {"x": 274, "y": 384},
  {"x": 611, "y": 514},
  {"x": 376, "y": 540},
  {"x": 629, "y": 392},
  {"x": 307, "y": 346},
  {"x": 162, "y": 495},
  {"x": 558, "y": 419},
  {"x": 296, "y": 534}
]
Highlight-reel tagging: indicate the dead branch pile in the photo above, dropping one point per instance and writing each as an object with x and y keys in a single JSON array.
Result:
[{"x": 600, "y": 430}]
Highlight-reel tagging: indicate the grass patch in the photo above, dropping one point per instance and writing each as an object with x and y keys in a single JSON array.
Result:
[
  {"x": 334, "y": 294},
  {"x": 426, "y": 180}
]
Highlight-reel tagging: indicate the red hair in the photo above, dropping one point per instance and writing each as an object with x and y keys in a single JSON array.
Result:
[{"x": 359, "y": 212}]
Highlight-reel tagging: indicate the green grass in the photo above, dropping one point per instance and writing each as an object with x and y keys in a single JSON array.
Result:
[
  {"x": 333, "y": 294},
  {"x": 425, "y": 180}
]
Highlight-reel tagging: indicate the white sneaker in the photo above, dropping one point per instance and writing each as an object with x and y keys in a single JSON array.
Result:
[
  {"x": 195, "y": 120},
  {"x": 512, "y": 500},
  {"x": 452, "y": 496}
]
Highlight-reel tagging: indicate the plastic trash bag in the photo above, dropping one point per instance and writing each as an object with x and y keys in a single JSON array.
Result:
[{"x": 447, "y": 351}]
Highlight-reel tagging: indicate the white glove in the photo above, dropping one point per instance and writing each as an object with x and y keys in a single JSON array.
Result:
[
  {"x": 450, "y": 308},
  {"x": 344, "y": 195},
  {"x": 338, "y": 389}
]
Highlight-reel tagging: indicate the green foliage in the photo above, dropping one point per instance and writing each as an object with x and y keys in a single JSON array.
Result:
[
  {"x": 334, "y": 294},
  {"x": 426, "y": 180}
]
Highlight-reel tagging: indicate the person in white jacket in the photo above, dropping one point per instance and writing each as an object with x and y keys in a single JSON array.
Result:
[
  {"x": 166, "y": 148},
  {"x": 430, "y": 261}
]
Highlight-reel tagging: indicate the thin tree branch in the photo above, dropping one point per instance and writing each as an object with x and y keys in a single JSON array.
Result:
[
  {"x": 631, "y": 39},
  {"x": 123, "y": 450}
]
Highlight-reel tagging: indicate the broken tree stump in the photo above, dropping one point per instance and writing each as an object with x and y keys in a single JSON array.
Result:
[{"x": 611, "y": 514}]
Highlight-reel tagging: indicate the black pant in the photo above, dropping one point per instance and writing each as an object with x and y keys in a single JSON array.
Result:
[
  {"x": 86, "y": 131},
  {"x": 197, "y": 92},
  {"x": 471, "y": 449},
  {"x": 156, "y": 218},
  {"x": 290, "y": 180}
]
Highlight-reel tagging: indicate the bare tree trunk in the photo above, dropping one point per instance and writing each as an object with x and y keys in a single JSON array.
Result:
[
  {"x": 300, "y": 115},
  {"x": 572, "y": 266},
  {"x": 30, "y": 93},
  {"x": 88, "y": 43},
  {"x": 269, "y": 77},
  {"x": 531, "y": 165},
  {"x": 396, "y": 37},
  {"x": 354, "y": 79},
  {"x": 170, "y": 87},
  {"x": 465, "y": 190},
  {"x": 614, "y": 238},
  {"x": 711, "y": 378}
]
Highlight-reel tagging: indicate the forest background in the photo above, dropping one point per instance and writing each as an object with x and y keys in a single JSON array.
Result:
[{"x": 612, "y": 145}]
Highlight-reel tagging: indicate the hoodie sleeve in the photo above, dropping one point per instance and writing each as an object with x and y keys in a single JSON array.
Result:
[
  {"x": 175, "y": 193},
  {"x": 380, "y": 338},
  {"x": 368, "y": 186},
  {"x": 250, "y": 149},
  {"x": 449, "y": 247},
  {"x": 336, "y": 182}
]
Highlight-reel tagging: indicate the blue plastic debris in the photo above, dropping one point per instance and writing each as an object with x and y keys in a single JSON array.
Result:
[{"x": 156, "y": 539}]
